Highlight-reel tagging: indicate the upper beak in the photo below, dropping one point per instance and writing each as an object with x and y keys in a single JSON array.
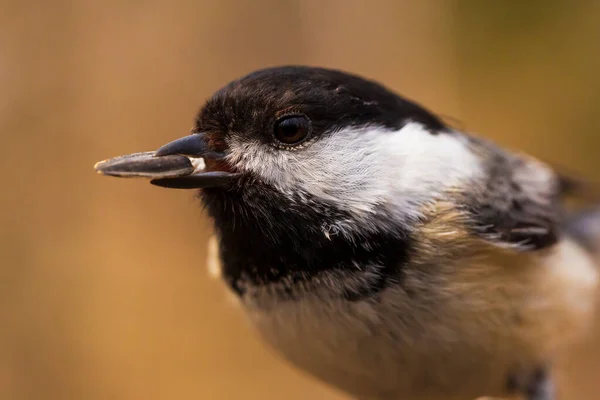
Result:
[{"x": 179, "y": 164}]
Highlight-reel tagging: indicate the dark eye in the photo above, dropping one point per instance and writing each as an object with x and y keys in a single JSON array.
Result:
[{"x": 292, "y": 129}]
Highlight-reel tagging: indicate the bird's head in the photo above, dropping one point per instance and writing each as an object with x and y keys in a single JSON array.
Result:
[
  {"x": 301, "y": 142},
  {"x": 307, "y": 159}
]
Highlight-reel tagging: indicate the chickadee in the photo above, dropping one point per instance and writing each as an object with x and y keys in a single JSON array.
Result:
[{"x": 376, "y": 247}]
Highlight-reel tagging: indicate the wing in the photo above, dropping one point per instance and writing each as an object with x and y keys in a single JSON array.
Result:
[{"x": 518, "y": 202}]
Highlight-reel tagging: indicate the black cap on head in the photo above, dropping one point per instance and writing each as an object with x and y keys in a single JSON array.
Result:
[{"x": 332, "y": 99}]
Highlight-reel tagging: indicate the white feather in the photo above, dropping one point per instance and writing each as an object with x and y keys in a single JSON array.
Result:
[
  {"x": 366, "y": 171},
  {"x": 213, "y": 261}
]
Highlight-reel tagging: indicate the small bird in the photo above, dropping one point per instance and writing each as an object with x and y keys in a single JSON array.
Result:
[{"x": 379, "y": 249}]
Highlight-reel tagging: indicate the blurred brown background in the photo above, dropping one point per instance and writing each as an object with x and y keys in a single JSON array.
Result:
[{"x": 104, "y": 292}]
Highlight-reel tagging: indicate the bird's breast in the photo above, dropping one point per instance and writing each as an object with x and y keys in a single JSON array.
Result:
[{"x": 481, "y": 317}]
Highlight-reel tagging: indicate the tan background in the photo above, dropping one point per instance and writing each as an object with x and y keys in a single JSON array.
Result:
[{"x": 103, "y": 287}]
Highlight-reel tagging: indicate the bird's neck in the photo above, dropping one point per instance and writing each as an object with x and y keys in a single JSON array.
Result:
[{"x": 269, "y": 239}]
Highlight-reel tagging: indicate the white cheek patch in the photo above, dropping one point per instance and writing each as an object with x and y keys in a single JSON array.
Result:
[
  {"x": 365, "y": 171},
  {"x": 424, "y": 165}
]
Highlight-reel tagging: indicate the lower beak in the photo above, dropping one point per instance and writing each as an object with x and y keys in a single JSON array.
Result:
[{"x": 179, "y": 164}]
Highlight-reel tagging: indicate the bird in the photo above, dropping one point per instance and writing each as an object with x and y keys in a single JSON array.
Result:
[{"x": 378, "y": 248}]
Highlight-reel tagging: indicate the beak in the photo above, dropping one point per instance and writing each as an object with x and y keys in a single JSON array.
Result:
[
  {"x": 180, "y": 164},
  {"x": 195, "y": 145}
]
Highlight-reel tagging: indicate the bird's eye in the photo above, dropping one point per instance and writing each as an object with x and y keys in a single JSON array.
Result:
[{"x": 292, "y": 129}]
